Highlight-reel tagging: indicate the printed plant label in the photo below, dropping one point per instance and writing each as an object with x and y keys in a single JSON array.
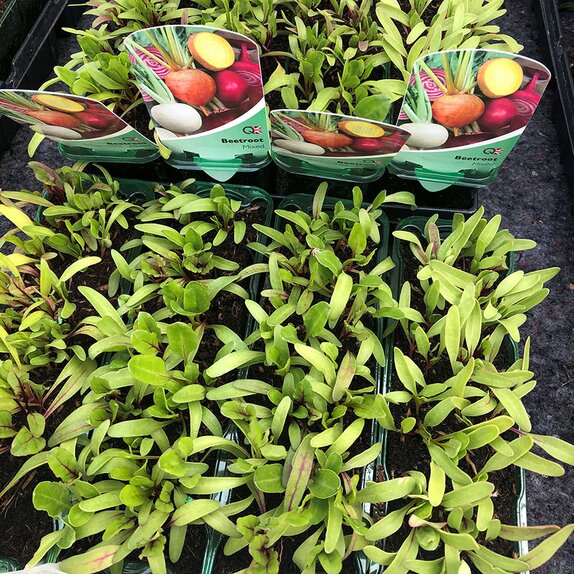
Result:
[
  {"x": 333, "y": 145},
  {"x": 84, "y": 128},
  {"x": 204, "y": 92},
  {"x": 465, "y": 110}
]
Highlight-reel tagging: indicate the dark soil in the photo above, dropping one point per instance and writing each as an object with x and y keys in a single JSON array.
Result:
[
  {"x": 96, "y": 276},
  {"x": 22, "y": 525},
  {"x": 427, "y": 15},
  {"x": 3, "y": 4},
  {"x": 191, "y": 560},
  {"x": 139, "y": 119}
]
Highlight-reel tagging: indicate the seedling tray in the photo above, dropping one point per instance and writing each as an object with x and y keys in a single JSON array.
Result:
[
  {"x": 455, "y": 199},
  {"x": 37, "y": 56},
  {"x": 159, "y": 171},
  {"x": 15, "y": 22},
  {"x": 416, "y": 225},
  {"x": 552, "y": 43}
]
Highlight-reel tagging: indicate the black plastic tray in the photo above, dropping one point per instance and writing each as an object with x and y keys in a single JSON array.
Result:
[
  {"x": 551, "y": 41},
  {"x": 37, "y": 56},
  {"x": 281, "y": 185},
  {"x": 455, "y": 199}
]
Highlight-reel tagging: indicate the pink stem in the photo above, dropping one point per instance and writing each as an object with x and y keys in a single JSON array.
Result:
[
  {"x": 532, "y": 84},
  {"x": 244, "y": 53}
]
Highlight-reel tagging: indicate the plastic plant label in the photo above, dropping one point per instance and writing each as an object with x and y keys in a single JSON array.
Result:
[
  {"x": 84, "y": 128},
  {"x": 334, "y": 146},
  {"x": 204, "y": 92},
  {"x": 466, "y": 109}
]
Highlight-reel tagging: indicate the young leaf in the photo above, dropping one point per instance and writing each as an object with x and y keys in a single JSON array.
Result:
[
  {"x": 301, "y": 468},
  {"x": 546, "y": 549},
  {"x": 269, "y": 478}
]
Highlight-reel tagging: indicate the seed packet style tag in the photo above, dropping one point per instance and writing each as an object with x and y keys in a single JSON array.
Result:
[
  {"x": 204, "y": 92},
  {"x": 466, "y": 109},
  {"x": 84, "y": 128},
  {"x": 334, "y": 146}
]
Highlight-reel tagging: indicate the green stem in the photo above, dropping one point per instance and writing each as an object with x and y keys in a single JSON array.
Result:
[
  {"x": 434, "y": 78},
  {"x": 450, "y": 83},
  {"x": 143, "y": 50},
  {"x": 168, "y": 60},
  {"x": 412, "y": 116}
]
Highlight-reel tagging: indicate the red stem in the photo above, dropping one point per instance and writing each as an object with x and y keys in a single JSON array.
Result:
[
  {"x": 532, "y": 84},
  {"x": 244, "y": 53}
]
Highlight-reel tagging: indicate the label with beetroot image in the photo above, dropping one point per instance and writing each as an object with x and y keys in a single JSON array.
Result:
[
  {"x": 84, "y": 128},
  {"x": 204, "y": 92},
  {"x": 465, "y": 111},
  {"x": 333, "y": 145}
]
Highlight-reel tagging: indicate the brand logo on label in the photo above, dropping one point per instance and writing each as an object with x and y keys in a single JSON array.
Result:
[
  {"x": 252, "y": 130},
  {"x": 493, "y": 151}
]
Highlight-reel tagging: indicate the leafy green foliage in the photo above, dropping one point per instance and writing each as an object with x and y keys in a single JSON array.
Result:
[{"x": 457, "y": 525}]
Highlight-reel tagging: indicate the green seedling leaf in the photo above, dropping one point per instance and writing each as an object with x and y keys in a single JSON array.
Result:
[
  {"x": 301, "y": 468},
  {"x": 377, "y": 492},
  {"x": 362, "y": 459},
  {"x": 340, "y": 297},
  {"x": 91, "y": 561},
  {"x": 315, "y": 318},
  {"x": 280, "y": 416},
  {"x": 379, "y": 556},
  {"x": 234, "y": 361},
  {"x": 26, "y": 444},
  {"x": 334, "y": 531},
  {"x": 535, "y": 463},
  {"x": 326, "y": 483},
  {"x": 345, "y": 376},
  {"x": 387, "y": 525},
  {"x": 192, "y": 511},
  {"x": 519, "y": 533},
  {"x": 503, "y": 562},
  {"x": 546, "y": 549},
  {"x": 442, "y": 409},
  {"x": 408, "y": 372},
  {"x": 30, "y": 464},
  {"x": 467, "y": 495},
  {"x": 458, "y": 541},
  {"x": 318, "y": 360},
  {"x": 148, "y": 369},
  {"x": 347, "y": 438},
  {"x": 269, "y": 478},
  {"x": 78, "y": 266},
  {"x": 437, "y": 484},
  {"x": 555, "y": 447},
  {"x": 452, "y": 334},
  {"x": 133, "y": 496},
  {"x": 136, "y": 428},
  {"x": 514, "y": 407},
  {"x": 519, "y": 447},
  {"x": 63, "y": 464},
  {"x": 52, "y": 497}
]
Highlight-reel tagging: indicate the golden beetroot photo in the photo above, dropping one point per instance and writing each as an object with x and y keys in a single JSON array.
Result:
[
  {"x": 463, "y": 98},
  {"x": 194, "y": 78}
]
